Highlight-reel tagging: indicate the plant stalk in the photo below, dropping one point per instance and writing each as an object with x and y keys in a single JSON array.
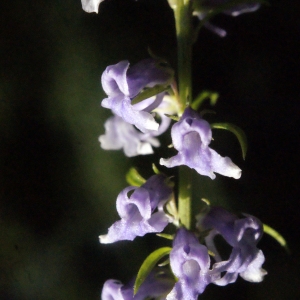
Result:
[{"x": 183, "y": 19}]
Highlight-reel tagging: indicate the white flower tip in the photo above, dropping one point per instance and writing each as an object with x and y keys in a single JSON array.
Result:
[
  {"x": 236, "y": 174},
  {"x": 151, "y": 125},
  {"x": 254, "y": 275},
  {"x": 144, "y": 149},
  {"x": 163, "y": 162},
  {"x": 91, "y": 5},
  {"x": 103, "y": 239}
]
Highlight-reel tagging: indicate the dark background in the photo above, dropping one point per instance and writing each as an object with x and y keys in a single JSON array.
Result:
[{"x": 58, "y": 188}]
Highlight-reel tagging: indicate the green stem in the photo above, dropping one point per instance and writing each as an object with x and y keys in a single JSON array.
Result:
[
  {"x": 184, "y": 196},
  {"x": 183, "y": 19}
]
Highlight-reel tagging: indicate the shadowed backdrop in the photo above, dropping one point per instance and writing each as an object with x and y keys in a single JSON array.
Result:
[{"x": 58, "y": 187}]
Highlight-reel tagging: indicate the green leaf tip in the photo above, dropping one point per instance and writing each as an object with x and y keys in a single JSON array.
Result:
[
  {"x": 276, "y": 236},
  {"x": 212, "y": 96},
  {"x": 155, "y": 169},
  {"x": 134, "y": 178},
  {"x": 237, "y": 131},
  {"x": 147, "y": 266},
  {"x": 149, "y": 92},
  {"x": 166, "y": 236}
]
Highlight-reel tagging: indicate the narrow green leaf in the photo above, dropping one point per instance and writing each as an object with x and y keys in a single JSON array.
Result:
[
  {"x": 277, "y": 236},
  {"x": 239, "y": 133},
  {"x": 149, "y": 92},
  {"x": 206, "y": 111},
  {"x": 148, "y": 264},
  {"x": 134, "y": 178},
  {"x": 212, "y": 96},
  {"x": 166, "y": 236},
  {"x": 155, "y": 169}
]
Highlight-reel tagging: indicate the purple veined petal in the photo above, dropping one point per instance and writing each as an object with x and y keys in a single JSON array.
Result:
[
  {"x": 122, "y": 83},
  {"x": 243, "y": 235},
  {"x": 91, "y": 5},
  {"x": 138, "y": 201},
  {"x": 158, "y": 189},
  {"x": 191, "y": 122},
  {"x": 226, "y": 279},
  {"x": 167, "y": 106},
  {"x": 114, "y": 79},
  {"x": 147, "y": 73},
  {"x": 248, "y": 230},
  {"x": 129, "y": 230},
  {"x": 248, "y": 267},
  {"x": 136, "y": 206},
  {"x": 120, "y": 78},
  {"x": 236, "y": 231},
  {"x": 148, "y": 105},
  {"x": 190, "y": 263},
  {"x": 191, "y": 136},
  {"x": 222, "y": 222},
  {"x": 224, "y": 165},
  {"x": 112, "y": 290},
  {"x": 121, "y": 106}
]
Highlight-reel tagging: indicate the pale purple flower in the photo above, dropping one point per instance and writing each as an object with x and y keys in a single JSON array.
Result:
[
  {"x": 122, "y": 83},
  {"x": 122, "y": 135},
  {"x": 234, "y": 12},
  {"x": 191, "y": 136},
  {"x": 137, "y": 208},
  {"x": 91, "y": 5},
  {"x": 242, "y": 234},
  {"x": 190, "y": 263},
  {"x": 156, "y": 286}
]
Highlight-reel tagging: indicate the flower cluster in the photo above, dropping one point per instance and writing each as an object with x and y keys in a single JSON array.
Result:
[
  {"x": 191, "y": 136},
  {"x": 191, "y": 264},
  {"x": 142, "y": 209},
  {"x": 133, "y": 127}
]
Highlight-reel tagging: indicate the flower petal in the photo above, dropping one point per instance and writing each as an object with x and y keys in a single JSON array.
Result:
[{"x": 91, "y": 5}]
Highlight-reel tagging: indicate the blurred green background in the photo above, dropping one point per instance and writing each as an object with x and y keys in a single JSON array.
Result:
[{"x": 58, "y": 188}]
